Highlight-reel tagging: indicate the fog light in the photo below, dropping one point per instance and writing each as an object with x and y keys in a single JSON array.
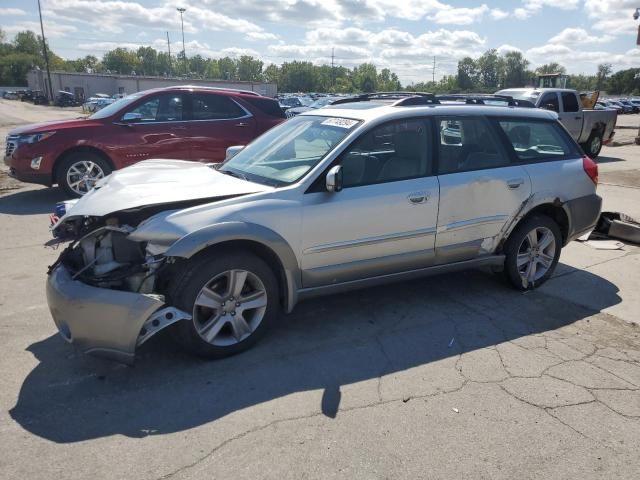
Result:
[{"x": 35, "y": 163}]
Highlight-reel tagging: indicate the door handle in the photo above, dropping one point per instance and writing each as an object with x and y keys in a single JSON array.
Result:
[
  {"x": 417, "y": 198},
  {"x": 515, "y": 182},
  {"x": 577, "y": 118},
  {"x": 242, "y": 124}
]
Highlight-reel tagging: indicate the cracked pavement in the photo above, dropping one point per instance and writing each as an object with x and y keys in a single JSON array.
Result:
[{"x": 456, "y": 376}]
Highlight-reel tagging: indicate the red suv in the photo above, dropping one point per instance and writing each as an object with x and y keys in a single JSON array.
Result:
[{"x": 185, "y": 123}]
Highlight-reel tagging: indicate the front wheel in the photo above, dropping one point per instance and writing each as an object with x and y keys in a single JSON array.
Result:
[
  {"x": 532, "y": 252},
  {"x": 79, "y": 172},
  {"x": 233, "y": 299}
]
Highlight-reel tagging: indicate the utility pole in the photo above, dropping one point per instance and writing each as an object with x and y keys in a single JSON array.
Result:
[
  {"x": 184, "y": 51},
  {"x": 433, "y": 73},
  {"x": 169, "y": 50},
  {"x": 46, "y": 54},
  {"x": 333, "y": 72}
]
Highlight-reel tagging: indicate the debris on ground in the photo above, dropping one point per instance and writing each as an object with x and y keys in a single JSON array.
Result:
[{"x": 612, "y": 225}]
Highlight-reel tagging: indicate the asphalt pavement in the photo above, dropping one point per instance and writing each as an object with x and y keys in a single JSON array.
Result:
[{"x": 457, "y": 376}]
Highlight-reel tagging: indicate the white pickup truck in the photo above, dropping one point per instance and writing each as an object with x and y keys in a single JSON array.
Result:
[{"x": 590, "y": 128}]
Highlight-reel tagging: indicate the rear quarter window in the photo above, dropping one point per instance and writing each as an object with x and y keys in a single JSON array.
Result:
[
  {"x": 538, "y": 140},
  {"x": 266, "y": 105}
]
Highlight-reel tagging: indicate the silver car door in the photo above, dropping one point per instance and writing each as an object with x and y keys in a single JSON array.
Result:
[
  {"x": 480, "y": 189},
  {"x": 384, "y": 219}
]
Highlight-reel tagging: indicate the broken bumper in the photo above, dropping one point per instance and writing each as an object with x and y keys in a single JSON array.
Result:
[{"x": 98, "y": 320}]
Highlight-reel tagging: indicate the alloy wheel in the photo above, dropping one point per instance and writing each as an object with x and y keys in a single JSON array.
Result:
[
  {"x": 83, "y": 175},
  {"x": 595, "y": 144},
  {"x": 229, "y": 308},
  {"x": 535, "y": 255}
]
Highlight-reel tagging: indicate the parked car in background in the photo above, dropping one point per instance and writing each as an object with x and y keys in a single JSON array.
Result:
[
  {"x": 97, "y": 102},
  {"x": 626, "y": 103},
  {"x": 10, "y": 95},
  {"x": 608, "y": 104},
  {"x": 319, "y": 103},
  {"x": 333, "y": 199},
  {"x": 292, "y": 102},
  {"x": 184, "y": 123},
  {"x": 590, "y": 128},
  {"x": 65, "y": 99},
  {"x": 625, "y": 108}
]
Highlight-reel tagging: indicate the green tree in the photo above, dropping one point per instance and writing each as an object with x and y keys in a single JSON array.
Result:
[
  {"x": 249, "y": 69},
  {"x": 365, "y": 77},
  {"x": 121, "y": 60},
  {"x": 549, "y": 68},
  {"x": 515, "y": 70},
  {"x": 147, "y": 61},
  {"x": 467, "y": 74},
  {"x": 228, "y": 68},
  {"x": 604, "y": 69},
  {"x": 490, "y": 67},
  {"x": 27, "y": 42}
]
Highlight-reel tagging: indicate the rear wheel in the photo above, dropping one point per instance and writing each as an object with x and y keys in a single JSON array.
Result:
[
  {"x": 79, "y": 172},
  {"x": 233, "y": 299},
  {"x": 593, "y": 145},
  {"x": 532, "y": 252}
]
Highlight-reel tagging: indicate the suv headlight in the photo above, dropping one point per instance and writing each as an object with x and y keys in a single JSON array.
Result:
[{"x": 34, "y": 138}]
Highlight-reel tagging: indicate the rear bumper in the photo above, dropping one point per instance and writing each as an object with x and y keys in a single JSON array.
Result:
[
  {"x": 98, "y": 320},
  {"x": 583, "y": 215}
]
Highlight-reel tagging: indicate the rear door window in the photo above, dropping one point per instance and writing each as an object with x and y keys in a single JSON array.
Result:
[
  {"x": 468, "y": 143},
  {"x": 569, "y": 102},
  {"x": 538, "y": 140},
  {"x": 214, "y": 107}
]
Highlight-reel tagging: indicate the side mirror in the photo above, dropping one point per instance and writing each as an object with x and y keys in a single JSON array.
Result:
[
  {"x": 334, "y": 179},
  {"x": 233, "y": 151},
  {"x": 131, "y": 117}
]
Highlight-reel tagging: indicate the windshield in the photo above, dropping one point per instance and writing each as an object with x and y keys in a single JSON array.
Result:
[
  {"x": 115, "y": 106},
  {"x": 287, "y": 152}
]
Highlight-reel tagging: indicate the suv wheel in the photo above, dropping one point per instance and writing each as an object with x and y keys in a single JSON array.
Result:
[
  {"x": 593, "y": 145},
  {"x": 80, "y": 171},
  {"x": 233, "y": 299},
  {"x": 532, "y": 252}
]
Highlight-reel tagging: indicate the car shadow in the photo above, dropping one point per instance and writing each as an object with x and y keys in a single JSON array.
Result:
[
  {"x": 609, "y": 159},
  {"x": 31, "y": 202},
  {"x": 326, "y": 344}
]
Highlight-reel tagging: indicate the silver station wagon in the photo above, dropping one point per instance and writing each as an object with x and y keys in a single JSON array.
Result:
[{"x": 377, "y": 188}]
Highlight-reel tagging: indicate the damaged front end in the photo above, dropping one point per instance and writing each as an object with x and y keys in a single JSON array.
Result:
[{"x": 103, "y": 292}]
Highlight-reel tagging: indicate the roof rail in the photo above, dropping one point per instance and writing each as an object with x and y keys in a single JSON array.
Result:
[
  {"x": 485, "y": 99},
  {"x": 402, "y": 98}
]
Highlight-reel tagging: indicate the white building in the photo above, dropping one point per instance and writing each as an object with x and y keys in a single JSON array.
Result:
[{"x": 85, "y": 85}]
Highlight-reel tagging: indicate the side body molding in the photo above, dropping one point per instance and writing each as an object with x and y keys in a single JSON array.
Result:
[{"x": 218, "y": 233}]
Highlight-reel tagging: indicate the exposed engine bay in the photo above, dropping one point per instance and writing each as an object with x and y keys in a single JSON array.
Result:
[{"x": 106, "y": 258}]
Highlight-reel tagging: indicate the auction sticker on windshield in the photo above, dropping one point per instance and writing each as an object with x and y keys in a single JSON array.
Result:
[{"x": 340, "y": 122}]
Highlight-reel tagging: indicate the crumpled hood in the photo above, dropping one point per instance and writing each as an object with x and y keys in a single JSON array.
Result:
[{"x": 155, "y": 182}]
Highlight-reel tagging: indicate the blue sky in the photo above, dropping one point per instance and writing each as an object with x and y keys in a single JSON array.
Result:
[{"x": 403, "y": 35}]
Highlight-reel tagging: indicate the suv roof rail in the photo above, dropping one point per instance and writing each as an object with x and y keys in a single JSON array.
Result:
[
  {"x": 482, "y": 98},
  {"x": 402, "y": 98},
  {"x": 207, "y": 87}
]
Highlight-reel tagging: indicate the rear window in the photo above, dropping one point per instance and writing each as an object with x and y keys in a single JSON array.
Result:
[
  {"x": 535, "y": 140},
  {"x": 266, "y": 105}
]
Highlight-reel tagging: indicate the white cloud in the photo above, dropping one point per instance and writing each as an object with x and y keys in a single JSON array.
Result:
[
  {"x": 532, "y": 7},
  {"x": 506, "y": 48},
  {"x": 614, "y": 17},
  {"x": 459, "y": 16},
  {"x": 11, "y": 12},
  {"x": 53, "y": 30},
  {"x": 577, "y": 37},
  {"x": 498, "y": 14}
]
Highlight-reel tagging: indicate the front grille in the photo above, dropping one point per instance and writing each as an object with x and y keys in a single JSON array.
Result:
[{"x": 12, "y": 144}]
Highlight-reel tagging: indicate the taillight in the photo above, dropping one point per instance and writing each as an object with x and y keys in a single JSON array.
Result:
[{"x": 590, "y": 168}]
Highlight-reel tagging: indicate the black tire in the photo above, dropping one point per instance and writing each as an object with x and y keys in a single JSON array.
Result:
[
  {"x": 593, "y": 145},
  {"x": 514, "y": 244},
  {"x": 72, "y": 160},
  {"x": 198, "y": 272}
]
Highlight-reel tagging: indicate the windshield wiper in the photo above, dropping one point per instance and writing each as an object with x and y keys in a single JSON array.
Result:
[{"x": 234, "y": 174}]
